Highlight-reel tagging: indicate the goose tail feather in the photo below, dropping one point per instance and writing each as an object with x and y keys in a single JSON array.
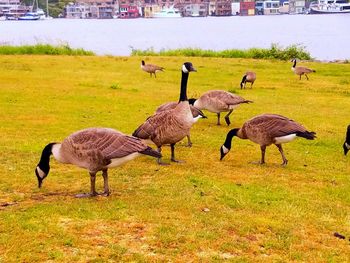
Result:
[
  {"x": 149, "y": 151},
  {"x": 307, "y": 135}
]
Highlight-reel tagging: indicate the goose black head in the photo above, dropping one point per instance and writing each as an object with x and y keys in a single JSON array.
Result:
[
  {"x": 191, "y": 101},
  {"x": 41, "y": 173},
  {"x": 346, "y": 145},
  {"x": 226, "y": 147},
  {"x": 188, "y": 67},
  {"x": 43, "y": 168},
  {"x": 223, "y": 151}
]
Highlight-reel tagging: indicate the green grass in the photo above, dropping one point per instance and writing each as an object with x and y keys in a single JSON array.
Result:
[
  {"x": 43, "y": 49},
  {"x": 274, "y": 52},
  {"x": 203, "y": 210}
]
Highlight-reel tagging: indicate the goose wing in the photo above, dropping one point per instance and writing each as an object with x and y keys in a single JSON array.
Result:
[
  {"x": 226, "y": 98},
  {"x": 105, "y": 143},
  {"x": 276, "y": 125},
  {"x": 148, "y": 129},
  {"x": 304, "y": 70},
  {"x": 166, "y": 106},
  {"x": 152, "y": 67}
]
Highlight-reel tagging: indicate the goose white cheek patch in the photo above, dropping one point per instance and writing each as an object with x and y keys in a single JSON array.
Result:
[
  {"x": 224, "y": 149},
  {"x": 40, "y": 172},
  {"x": 184, "y": 69}
]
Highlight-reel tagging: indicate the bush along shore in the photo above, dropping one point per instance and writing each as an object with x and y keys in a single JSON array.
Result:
[
  {"x": 44, "y": 49},
  {"x": 274, "y": 52}
]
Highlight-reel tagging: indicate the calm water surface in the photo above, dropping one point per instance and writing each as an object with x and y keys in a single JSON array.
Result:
[{"x": 326, "y": 37}]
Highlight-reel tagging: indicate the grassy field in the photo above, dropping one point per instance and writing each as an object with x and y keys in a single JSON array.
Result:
[{"x": 203, "y": 210}]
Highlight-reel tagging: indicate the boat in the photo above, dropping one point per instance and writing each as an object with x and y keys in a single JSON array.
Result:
[
  {"x": 329, "y": 7},
  {"x": 170, "y": 12},
  {"x": 36, "y": 13},
  {"x": 29, "y": 16}
]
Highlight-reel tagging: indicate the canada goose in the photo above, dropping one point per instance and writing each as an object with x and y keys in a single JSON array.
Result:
[
  {"x": 346, "y": 145},
  {"x": 196, "y": 113},
  {"x": 218, "y": 101},
  {"x": 95, "y": 149},
  {"x": 150, "y": 68},
  {"x": 267, "y": 129},
  {"x": 170, "y": 127},
  {"x": 249, "y": 76},
  {"x": 301, "y": 70}
]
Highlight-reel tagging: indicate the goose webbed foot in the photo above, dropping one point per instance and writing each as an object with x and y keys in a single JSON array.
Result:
[
  {"x": 284, "y": 164},
  {"x": 189, "y": 144},
  {"x": 105, "y": 194},
  {"x": 160, "y": 162},
  {"x": 176, "y": 161},
  {"x": 84, "y": 195},
  {"x": 258, "y": 162}
]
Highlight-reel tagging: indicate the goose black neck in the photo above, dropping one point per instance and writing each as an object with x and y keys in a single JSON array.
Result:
[
  {"x": 229, "y": 137},
  {"x": 183, "y": 91},
  {"x": 295, "y": 63},
  {"x": 348, "y": 135},
  {"x": 243, "y": 80},
  {"x": 45, "y": 158}
]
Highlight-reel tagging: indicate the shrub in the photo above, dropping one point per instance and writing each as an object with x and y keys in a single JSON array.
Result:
[
  {"x": 43, "y": 49},
  {"x": 274, "y": 52}
]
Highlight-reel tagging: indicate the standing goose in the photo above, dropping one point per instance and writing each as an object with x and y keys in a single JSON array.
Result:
[
  {"x": 346, "y": 145},
  {"x": 248, "y": 77},
  {"x": 301, "y": 70},
  {"x": 95, "y": 149},
  {"x": 150, "y": 68},
  {"x": 171, "y": 126},
  {"x": 196, "y": 113},
  {"x": 218, "y": 101},
  {"x": 267, "y": 129}
]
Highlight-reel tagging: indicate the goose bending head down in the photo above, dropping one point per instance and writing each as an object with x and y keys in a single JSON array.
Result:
[
  {"x": 346, "y": 145},
  {"x": 170, "y": 126},
  {"x": 249, "y": 76},
  {"x": 301, "y": 70},
  {"x": 267, "y": 129},
  {"x": 95, "y": 149},
  {"x": 218, "y": 101}
]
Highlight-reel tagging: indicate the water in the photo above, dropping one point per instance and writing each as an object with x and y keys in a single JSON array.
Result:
[{"x": 326, "y": 37}]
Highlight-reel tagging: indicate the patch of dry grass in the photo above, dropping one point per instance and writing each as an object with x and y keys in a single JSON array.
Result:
[{"x": 202, "y": 210}]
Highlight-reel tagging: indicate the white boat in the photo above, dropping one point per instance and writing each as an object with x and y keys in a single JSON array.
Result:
[
  {"x": 329, "y": 7},
  {"x": 168, "y": 13},
  {"x": 35, "y": 14},
  {"x": 29, "y": 16}
]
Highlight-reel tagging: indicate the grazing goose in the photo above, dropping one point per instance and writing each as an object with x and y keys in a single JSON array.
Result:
[
  {"x": 218, "y": 101},
  {"x": 301, "y": 70},
  {"x": 196, "y": 113},
  {"x": 95, "y": 149},
  {"x": 171, "y": 126},
  {"x": 248, "y": 77},
  {"x": 267, "y": 129},
  {"x": 150, "y": 68},
  {"x": 346, "y": 145}
]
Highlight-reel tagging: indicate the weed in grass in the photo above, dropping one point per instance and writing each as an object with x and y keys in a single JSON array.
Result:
[{"x": 115, "y": 86}]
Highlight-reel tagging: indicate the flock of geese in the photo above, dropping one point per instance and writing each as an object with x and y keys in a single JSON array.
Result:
[{"x": 98, "y": 149}]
